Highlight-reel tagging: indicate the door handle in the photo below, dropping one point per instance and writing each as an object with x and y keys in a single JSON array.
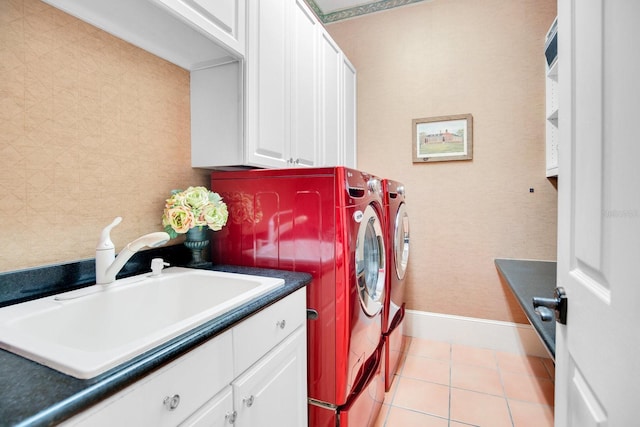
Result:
[{"x": 545, "y": 307}]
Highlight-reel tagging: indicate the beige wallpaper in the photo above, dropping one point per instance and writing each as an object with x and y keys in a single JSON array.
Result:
[
  {"x": 446, "y": 57},
  {"x": 90, "y": 128}
]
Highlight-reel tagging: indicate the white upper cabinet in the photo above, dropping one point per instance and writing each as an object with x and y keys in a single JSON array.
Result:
[
  {"x": 330, "y": 105},
  {"x": 222, "y": 19},
  {"x": 216, "y": 116},
  {"x": 304, "y": 88},
  {"x": 281, "y": 86},
  {"x": 349, "y": 111},
  {"x": 300, "y": 90},
  {"x": 337, "y": 84},
  {"x": 180, "y": 31},
  {"x": 268, "y": 84},
  {"x": 298, "y": 104}
]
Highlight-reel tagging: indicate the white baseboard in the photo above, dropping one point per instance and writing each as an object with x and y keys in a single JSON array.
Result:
[{"x": 491, "y": 334}]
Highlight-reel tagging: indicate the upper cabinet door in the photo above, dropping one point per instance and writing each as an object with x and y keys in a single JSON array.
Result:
[
  {"x": 330, "y": 103},
  {"x": 179, "y": 31},
  {"x": 267, "y": 84},
  {"x": 224, "y": 20},
  {"x": 349, "y": 110},
  {"x": 304, "y": 87}
]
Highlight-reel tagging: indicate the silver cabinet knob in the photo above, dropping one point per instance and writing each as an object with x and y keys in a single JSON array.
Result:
[
  {"x": 172, "y": 402},
  {"x": 248, "y": 401},
  {"x": 231, "y": 417},
  {"x": 281, "y": 323}
]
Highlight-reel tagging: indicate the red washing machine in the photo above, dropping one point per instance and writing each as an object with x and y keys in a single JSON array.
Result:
[
  {"x": 397, "y": 224},
  {"x": 327, "y": 222}
]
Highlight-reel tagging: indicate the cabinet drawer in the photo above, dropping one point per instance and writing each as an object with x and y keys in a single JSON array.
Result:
[
  {"x": 194, "y": 378},
  {"x": 261, "y": 332}
]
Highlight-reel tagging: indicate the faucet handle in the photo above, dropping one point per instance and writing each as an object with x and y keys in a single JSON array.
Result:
[
  {"x": 157, "y": 264},
  {"x": 105, "y": 237}
]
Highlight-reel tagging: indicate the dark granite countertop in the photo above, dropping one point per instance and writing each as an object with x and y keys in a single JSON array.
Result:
[
  {"x": 34, "y": 395},
  {"x": 528, "y": 279}
]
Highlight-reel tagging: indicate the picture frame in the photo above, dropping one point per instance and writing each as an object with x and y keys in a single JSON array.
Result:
[{"x": 442, "y": 139}]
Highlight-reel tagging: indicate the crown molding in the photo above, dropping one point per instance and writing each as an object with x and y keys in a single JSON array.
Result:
[{"x": 356, "y": 11}]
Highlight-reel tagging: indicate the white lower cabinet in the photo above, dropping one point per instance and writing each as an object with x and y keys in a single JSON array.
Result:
[
  {"x": 272, "y": 390},
  {"x": 254, "y": 374},
  {"x": 218, "y": 412}
]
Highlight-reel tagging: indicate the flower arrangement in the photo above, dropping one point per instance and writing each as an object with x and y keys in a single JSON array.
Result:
[{"x": 193, "y": 207}]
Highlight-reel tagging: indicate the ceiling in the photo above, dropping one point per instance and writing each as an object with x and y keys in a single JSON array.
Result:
[{"x": 336, "y": 10}]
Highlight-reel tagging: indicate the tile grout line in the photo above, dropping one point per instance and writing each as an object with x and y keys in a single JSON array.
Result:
[
  {"x": 396, "y": 378},
  {"x": 400, "y": 374},
  {"x": 450, "y": 381},
  {"x": 504, "y": 390}
]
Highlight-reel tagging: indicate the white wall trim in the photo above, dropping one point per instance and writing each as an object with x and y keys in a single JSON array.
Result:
[{"x": 491, "y": 334}]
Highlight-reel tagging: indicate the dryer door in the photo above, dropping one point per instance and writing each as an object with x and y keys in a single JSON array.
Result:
[
  {"x": 401, "y": 241},
  {"x": 370, "y": 262}
]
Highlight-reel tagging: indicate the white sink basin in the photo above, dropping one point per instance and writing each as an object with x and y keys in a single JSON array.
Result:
[{"x": 86, "y": 332}]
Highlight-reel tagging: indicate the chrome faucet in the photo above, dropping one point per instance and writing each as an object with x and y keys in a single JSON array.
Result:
[{"x": 108, "y": 265}]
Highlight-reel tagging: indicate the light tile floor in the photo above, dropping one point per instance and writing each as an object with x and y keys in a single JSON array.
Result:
[{"x": 448, "y": 385}]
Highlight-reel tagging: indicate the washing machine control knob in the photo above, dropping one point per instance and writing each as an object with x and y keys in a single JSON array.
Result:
[{"x": 374, "y": 185}]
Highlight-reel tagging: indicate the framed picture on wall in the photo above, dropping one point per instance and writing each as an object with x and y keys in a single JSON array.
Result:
[{"x": 444, "y": 138}]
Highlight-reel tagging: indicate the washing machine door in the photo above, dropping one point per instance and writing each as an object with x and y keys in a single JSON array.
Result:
[
  {"x": 401, "y": 241},
  {"x": 370, "y": 262}
]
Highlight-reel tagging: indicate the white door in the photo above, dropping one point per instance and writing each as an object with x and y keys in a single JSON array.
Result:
[
  {"x": 304, "y": 87},
  {"x": 273, "y": 392},
  {"x": 598, "y": 351},
  {"x": 330, "y": 69},
  {"x": 268, "y": 84}
]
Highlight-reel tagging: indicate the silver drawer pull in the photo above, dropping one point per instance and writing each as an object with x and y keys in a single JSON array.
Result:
[
  {"x": 231, "y": 417},
  {"x": 281, "y": 323},
  {"x": 171, "y": 403},
  {"x": 248, "y": 401}
]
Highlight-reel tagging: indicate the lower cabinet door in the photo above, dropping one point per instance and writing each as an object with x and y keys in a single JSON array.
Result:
[
  {"x": 218, "y": 412},
  {"x": 273, "y": 392}
]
